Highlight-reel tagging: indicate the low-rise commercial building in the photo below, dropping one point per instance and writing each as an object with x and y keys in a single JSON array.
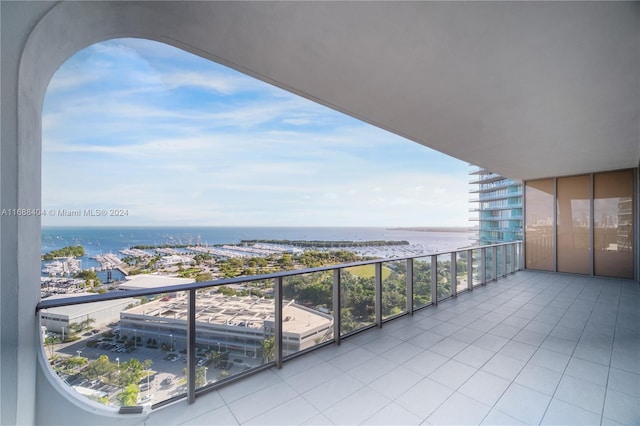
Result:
[
  {"x": 94, "y": 314},
  {"x": 238, "y": 325}
]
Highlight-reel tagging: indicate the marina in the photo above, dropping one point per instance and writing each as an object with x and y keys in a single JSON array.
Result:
[
  {"x": 114, "y": 253},
  {"x": 62, "y": 267},
  {"x": 108, "y": 261}
]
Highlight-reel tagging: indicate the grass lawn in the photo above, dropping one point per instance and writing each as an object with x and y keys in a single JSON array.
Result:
[{"x": 368, "y": 271}]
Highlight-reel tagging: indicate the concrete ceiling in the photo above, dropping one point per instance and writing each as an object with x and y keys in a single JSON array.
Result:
[{"x": 526, "y": 89}]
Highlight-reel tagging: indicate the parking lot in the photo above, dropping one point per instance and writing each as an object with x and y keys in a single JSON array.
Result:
[{"x": 167, "y": 378}]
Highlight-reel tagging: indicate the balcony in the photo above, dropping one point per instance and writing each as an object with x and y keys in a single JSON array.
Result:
[{"x": 532, "y": 347}]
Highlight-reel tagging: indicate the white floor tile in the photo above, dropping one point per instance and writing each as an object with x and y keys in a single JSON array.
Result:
[
  {"x": 452, "y": 374},
  {"x": 293, "y": 412},
  {"x": 625, "y": 382},
  {"x": 356, "y": 408},
  {"x": 484, "y": 387},
  {"x": 332, "y": 391},
  {"x": 523, "y": 403},
  {"x": 561, "y": 413},
  {"x": 539, "y": 379},
  {"x": 589, "y": 371},
  {"x": 474, "y": 356},
  {"x": 459, "y": 410},
  {"x": 393, "y": 414},
  {"x": 504, "y": 366},
  {"x": 583, "y": 394},
  {"x": 261, "y": 401},
  {"x": 426, "y": 362},
  {"x": 396, "y": 382},
  {"x": 622, "y": 408}
]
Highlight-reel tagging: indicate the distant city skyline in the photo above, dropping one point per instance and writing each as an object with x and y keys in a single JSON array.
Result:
[{"x": 139, "y": 127}]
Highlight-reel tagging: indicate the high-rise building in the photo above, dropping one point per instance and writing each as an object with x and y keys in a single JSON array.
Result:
[{"x": 497, "y": 200}]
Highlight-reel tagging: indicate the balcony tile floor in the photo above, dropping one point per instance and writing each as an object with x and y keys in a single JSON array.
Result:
[{"x": 531, "y": 348}]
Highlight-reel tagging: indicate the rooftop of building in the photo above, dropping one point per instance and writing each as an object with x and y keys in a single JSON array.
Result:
[
  {"x": 151, "y": 281},
  {"x": 85, "y": 309},
  {"x": 243, "y": 311}
]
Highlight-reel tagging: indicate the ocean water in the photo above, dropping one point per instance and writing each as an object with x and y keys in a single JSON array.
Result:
[
  {"x": 99, "y": 240},
  {"x": 102, "y": 240}
]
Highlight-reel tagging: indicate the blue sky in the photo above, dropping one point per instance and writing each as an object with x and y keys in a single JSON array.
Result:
[{"x": 179, "y": 140}]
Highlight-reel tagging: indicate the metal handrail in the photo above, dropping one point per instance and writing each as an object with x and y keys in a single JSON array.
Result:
[{"x": 115, "y": 295}]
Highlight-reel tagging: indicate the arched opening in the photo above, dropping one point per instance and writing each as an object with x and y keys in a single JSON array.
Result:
[
  {"x": 138, "y": 133},
  {"x": 40, "y": 58}
]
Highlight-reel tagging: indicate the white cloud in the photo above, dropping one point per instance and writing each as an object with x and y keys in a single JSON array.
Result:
[
  {"x": 219, "y": 83},
  {"x": 191, "y": 145}
]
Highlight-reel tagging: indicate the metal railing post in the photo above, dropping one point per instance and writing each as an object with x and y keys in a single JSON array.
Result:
[
  {"x": 378, "y": 303},
  {"x": 494, "y": 253},
  {"x": 336, "y": 306},
  {"x": 191, "y": 347},
  {"x": 409, "y": 286},
  {"x": 504, "y": 261},
  {"x": 521, "y": 264},
  {"x": 483, "y": 266},
  {"x": 469, "y": 270},
  {"x": 277, "y": 337},
  {"x": 434, "y": 280},
  {"x": 454, "y": 275}
]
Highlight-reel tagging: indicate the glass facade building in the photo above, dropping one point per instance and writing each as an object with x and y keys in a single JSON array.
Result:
[{"x": 497, "y": 201}]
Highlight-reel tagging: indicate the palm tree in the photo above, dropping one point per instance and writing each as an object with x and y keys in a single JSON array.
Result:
[{"x": 268, "y": 348}]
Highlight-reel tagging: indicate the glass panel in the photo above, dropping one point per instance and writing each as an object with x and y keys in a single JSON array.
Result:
[
  {"x": 421, "y": 282},
  {"x": 461, "y": 271},
  {"x": 509, "y": 267},
  {"x": 488, "y": 263},
  {"x": 234, "y": 329},
  {"x": 500, "y": 261},
  {"x": 312, "y": 320},
  {"x": 394, "y": 288},
  {"x": 539, "y": 199},
  {"x": 574, "y": 224},
  {"x": 444, "y": 276},
  {"x": 357, "y": 298},
  {"x": 613, "y": 220},
  {"x": 476, "y": 259},
  {"x": 120, "y": 352}
]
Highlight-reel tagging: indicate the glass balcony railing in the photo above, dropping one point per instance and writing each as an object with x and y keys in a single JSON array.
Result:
[{"x": 152, "y": 347}]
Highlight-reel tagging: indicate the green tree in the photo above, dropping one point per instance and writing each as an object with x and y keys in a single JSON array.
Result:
[
  {"x": 201, "y": 379},
  {"x": 90, "y": 277},
  {"x": 69, "y": 251},
  {"x": 101, "y": 368},
  {"x": 226, "y": 291},
  {"x": 133, "y": 371},
  {"x": 347, "y": 322},
  {"x": 74, "y": 362},
  {"x": 268, "y": 349},
  {"x": 129, "y": 396},
  {"x": 52, "y": 340}
]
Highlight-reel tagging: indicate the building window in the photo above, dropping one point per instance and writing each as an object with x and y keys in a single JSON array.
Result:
[
  {"x": 539, "y": 239},
  {"x": 613, "y": 224}
]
